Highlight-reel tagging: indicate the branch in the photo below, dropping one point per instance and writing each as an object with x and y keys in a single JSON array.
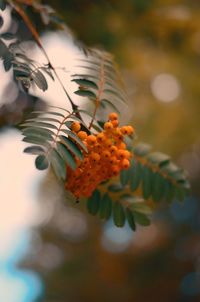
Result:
[{"x": 36, "y": 37}]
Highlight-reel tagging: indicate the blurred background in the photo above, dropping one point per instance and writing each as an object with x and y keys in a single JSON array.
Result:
[{"x": 50, "y": 249}]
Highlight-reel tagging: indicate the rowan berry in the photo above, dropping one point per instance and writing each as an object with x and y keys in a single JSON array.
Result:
[
  {"x": 82, "y": 135},
  {"x": 125, "y": 164},
  {"x": 75, "y": 126},
  {"x": 113, "y": 116},
  {"x": 91, "y": 139},
  {"x": 115, "y": 123},
  {"x": 108, "y": 126}
]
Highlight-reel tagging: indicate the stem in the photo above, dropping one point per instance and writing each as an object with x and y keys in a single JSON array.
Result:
[
  {"x": 101, "y": 87},
  {"x": 36, "y": 37}
]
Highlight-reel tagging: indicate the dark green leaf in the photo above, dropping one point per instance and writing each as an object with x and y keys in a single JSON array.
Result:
[
  {"x": 118, "y": 214},
  {"x": 8, "y": 36},
  {"x": 135, "y": 175},
  {"x": 46, "y": 134},
  {"x": 93, "y": 202},
  {"x": 41, "y": 162},
  {"x": 169, "y": 192},
  {"x": 124, "y": 177},
  {"x": 39, "y": 80},
  {"x": 180, "y": 194},
  {"x": 73, "y": 136},
  {"x": 130, "y": 219},
  {"x": 7, "y": 61},
  {"x": 66, "y": 155},
  {"x": 71, "y": 146},
  {"x": 37, "y": 140},
  {"x": 86, "y": 93},
  {"x": 115, "y": 187},
  {"x": 58, "y": 164},
  {"x": 158, "y": 158},
  {"x": 3, "y": 49},
  {"x": 141, "y": 207},
  {"x": 105, "y": 207},
  {"x": 105, "y": 102},
  {"x": 142, "y": 149},
  {"x": 2, "y": 5},
  {"x": 34, "y": 150},
  {"x": 39, "y": 124},
  {"x": 158, "y": 187},
  {"x": 86, "y": 83},
  {"x": 146, "y": 182},
  {"x": 141, "y": 218}
]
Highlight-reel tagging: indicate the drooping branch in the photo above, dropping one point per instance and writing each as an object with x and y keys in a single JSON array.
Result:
[{"x": 30, "y": 26}]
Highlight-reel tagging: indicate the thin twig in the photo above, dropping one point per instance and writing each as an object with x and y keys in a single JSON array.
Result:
[
  {"x": 101, "y": 88},
  {"x": 36, "y": 37}
]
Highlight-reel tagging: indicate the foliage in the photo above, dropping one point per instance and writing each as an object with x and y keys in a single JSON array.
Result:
[{"x": 151, "y": 178}]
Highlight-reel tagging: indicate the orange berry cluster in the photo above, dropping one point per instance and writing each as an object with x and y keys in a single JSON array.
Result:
[{"x": 106, "y": 157}]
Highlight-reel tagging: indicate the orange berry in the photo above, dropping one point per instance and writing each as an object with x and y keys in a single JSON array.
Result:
[
  {"x": 95, "y": 157},
  {"x": 108, "y": 126},
  {"x": 115, "y": 170},
  {"x": 101, "y": 137},
  {"x": 130, "y": 130},
  {"x": 115, "y": 123},
  {"x": 113, "y": 160},
  {"x": 106, "y": 154},
  {"x": 121, "y": 154},
  {"x": 91, "y": 139},
  {"x": 113, "y": 149},
  {"x": 121, "y": 145},
  {"x": 125, "y": 164},
  {"x": 82, "y": 135},
  {"x": 113, "y": 116},
  {"x": 75, "y": 126},
  {"x": 125, "y": 130},
  {"x": 108, "y": 143},
  {"x": 127, "y": 154}
]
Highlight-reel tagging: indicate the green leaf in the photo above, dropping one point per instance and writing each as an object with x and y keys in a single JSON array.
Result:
[
  {"x": 180, "y": 194},
  {"x": 118, "y": 214},
  {"x": 7, "y": 61},
  {"x": 105, "y": 102},
  {"x": 141, "y": 207},
  {"x": 142, "y": 149},
  {"x": 2, "y": 5},
  {"x": 135, "y": 175},
  {"x": 58, "y": 164},
  {"x": 36, "y": 123},
  {"x": 41, "y": 162},
  {"x": 73, "y": 136},
  {"x": 124, "y": 177},
  {"x": 66, "y": 155},
  {"x": 141, "y": 219},
  {"x": 146, "y": 182},
  {"x": 130, "y": 219},
  {"x": 3, "y": 49},
  {"x": 115, "y": 187},
  {"x": 39, "y": 80},
  {"x": 34, "y": 150},
  {"x": 158, "y": 187},
  {"x": 86, "y": 83},
  {"x": 86, "y": 93},
  {"x": 37, "y": 140},
  {"x": 7, "y": 36},
  {"x": 71, "y": 146},
  {"x": 93, "y": 202},
  {"x": 105, "y": 207},
  {"x": 42, "y": 133},
  {"x": 158, "y": 158},
  {"x": 169, "y": 192},
  {"x": 48, "y": 112}
]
